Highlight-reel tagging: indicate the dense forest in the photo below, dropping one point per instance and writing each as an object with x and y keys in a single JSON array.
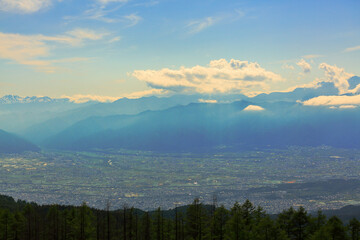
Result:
[{"x": 20, "y": 220}]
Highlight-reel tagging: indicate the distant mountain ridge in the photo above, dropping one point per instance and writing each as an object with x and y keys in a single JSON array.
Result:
[
  {"x": 10, "y": 143},
  {"x": 12, "y": 99},
  {"x": 207, "y": 127},
  {"x": 298, "y": 94}
]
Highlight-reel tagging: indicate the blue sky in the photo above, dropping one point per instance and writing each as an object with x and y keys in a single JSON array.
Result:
[{"x": 117, "y": 48}]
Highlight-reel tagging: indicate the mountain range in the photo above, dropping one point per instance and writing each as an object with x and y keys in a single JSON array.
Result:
[
  {"x": 12, "y": 99},
  {"x": 194, "y": 122},
  {"x": 208, "y": 127}
]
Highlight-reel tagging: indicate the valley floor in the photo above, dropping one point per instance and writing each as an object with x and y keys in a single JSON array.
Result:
[{"x": 322, "y": 177}]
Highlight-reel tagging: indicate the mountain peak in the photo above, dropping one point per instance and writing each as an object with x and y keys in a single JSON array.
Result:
[{"x": 12, "y": 99}]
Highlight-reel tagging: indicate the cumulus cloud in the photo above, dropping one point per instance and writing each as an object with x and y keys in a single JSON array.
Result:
[
  {"x": 305, "y": 66},
  {"x": 287, "y": 66},
  {"x": 333, "y": 100},
  {"x": 31, "y": 49},
  {"x": 352, "y": 49},
  {"x": 253, "y": 108},
  {"x": 337, "y": 75},
  {"x": 220, "y": 76},
  {"x": 23, "y": 6},
  {"x": 207, "y": 100}
]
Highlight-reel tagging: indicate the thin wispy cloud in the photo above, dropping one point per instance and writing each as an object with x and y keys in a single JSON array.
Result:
[
  {"x": 196, "y": 26},
  {"x": 133, "y": 19},
  {"x": 207, "y": 100},
  {"x": 97, "y": 12},
  {"x": 100, "y": 12},
  {"x": 352, "y": 49},
  {"x": 312, "y": 56},
  {"x": 200, "y": 25},
  {"x": 114, "y": 39},
  {"x": 23, "y": 6},
  {"x": 104, "y": 2},
  {"x": 146, "y": 4},
  {"x": 83, "y": 98},
  {"x": 150, "y": 92},
  {"x": 80, "y": 34},
  {"x": 33, "y": 50}
]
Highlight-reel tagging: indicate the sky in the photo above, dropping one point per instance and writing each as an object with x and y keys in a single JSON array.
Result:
[{"x": 107, "y": 49}]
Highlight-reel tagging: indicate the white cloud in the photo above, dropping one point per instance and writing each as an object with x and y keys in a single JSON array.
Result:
[
  {"x": 347, "y": 106},
  {"x": 32, "y": 49},
  {"x": 133, "y": 19},
  {"x": 80, "y": 34},
  {"x": 100, "y": 12},
  {"x": 337, "y": 75},
  {"x": 145, "y": 93},
  {"x": 207, "y": 100},
  {"x": 314, "y": 84},
  {"x": 352, "y": 49},
  {"x": 79, "y": 98},
  {"x": 83, "y": 98},
  {"x": 199, "y": 25},
  {"x": 220, "y": 76},
  {"x": 312, "y": 56},
  {"x": 114, "y": 39},
  {"x": 147, "y": 3},
  {"x": 112, "y": 1},
  {"x": 306, "y": 67},
  {"x": 23, "y": 6},
  {"x": 253, "y": 108},
  {"x": 333, "y": 100},
  {"x": 287, "y": 66}
]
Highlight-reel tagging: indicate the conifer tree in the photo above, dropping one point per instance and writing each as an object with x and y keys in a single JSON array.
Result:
[{"x": 354, "y": 228}]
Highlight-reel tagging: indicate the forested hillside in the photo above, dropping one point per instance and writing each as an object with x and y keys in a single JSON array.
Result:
[{"x": 20, "y": 220}]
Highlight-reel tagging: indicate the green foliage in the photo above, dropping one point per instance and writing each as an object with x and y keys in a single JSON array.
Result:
[
  {"x": 354, "y": 229},
  {"x": 197, "y": 222}
]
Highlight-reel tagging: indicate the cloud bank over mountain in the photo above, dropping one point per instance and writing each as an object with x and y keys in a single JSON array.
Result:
[{"x": 220, "y": 76}]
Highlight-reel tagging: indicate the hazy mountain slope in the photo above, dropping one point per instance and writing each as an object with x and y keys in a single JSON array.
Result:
[
  {"x": 199, "y": 127},
  {"x": 39, "y": 132},
  {"x": 15, "y": 117},
  {"x": 149, "y": 123},
  {"x": 301, "y": 94},
  {"x": 10, "y": 143}
]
